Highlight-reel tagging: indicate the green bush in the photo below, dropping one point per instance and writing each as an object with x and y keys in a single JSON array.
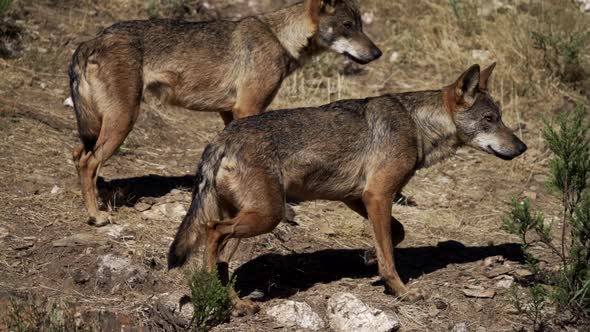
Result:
[
  {"x": 212, "y": 302},
  {"x": 569, "y": 179},
  {"x": 562, "y": 52},
  {"x": 465, "y": 12},
  {"x": 4, "y": 4}
]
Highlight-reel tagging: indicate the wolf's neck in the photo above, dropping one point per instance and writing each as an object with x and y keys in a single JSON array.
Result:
[
  {"x": 436, "y": 131},
  {"x": 294, "y": 31}
]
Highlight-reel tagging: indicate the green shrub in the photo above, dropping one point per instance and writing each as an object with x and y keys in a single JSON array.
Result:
[
  {"x": 562, "y": 52},
  {"x": 569, "y": 180},
  {"x": 212, "y": 302},
  {"x": 4, "y": 4},
  {"x": 465, "y": 12}
]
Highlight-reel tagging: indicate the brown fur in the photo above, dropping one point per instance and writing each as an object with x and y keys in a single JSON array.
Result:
[
  {"x": 360, "y": 152},
  {"x": 231, "y": 67}
]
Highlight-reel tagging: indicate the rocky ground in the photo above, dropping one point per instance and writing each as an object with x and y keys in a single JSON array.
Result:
[{"x": 308, "y": 274}]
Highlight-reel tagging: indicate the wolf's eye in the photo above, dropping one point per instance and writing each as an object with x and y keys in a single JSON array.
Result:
[
  {"x": 348, "y": 25},
  {"x": 489, "y": 118}
]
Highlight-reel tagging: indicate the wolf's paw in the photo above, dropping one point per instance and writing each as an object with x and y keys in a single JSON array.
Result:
[
  {"x": 413, "y": 295},
  {"x": 243, "y": 307},
  {"x": 101, "y": 219}
]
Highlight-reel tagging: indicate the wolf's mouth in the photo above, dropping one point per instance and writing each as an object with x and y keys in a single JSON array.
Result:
[
  {"x": 498, "y": 154},
  {"x": 355, "y": 59}
]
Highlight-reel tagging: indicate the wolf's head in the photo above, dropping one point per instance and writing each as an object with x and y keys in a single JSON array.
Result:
[
  {"x": 478, "y": 117},
  {"x": 340, "y": 28}
]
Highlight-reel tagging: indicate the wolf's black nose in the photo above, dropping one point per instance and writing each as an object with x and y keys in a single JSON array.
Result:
[
  {"x": 376, "y": 53},
  {"x": 521, "y": 147}
]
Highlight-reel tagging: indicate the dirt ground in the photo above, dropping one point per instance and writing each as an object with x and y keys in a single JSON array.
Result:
[{"x": 115, "y": 277}]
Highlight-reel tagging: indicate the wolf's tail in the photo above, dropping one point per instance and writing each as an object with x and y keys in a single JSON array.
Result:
[
  {"x": 204, "y": 207},
  {"x": 89, "y": 122}
]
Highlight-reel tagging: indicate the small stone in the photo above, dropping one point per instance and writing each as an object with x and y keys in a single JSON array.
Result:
[
  {"x": 523, "y": 273},
  {"x": 368, "y": 17},
  {"x": 114, "y": 231},
  {"x": 440, "y": 304},
  {"x": 530, "y": 195},
  {"x": 443, "y": 179},
  {"x": 81, "y": 277},
  {"x": 394, "y": 57},
  {"x": 349, "y": 314},
  {"x": 296, "y": 314},
  {"x": 460, "y": 327},
  {"x": 505, "y": 282},
  {"x": 166, "y": 211},
  {"x": 584, "y": 5},
  {"x": 142, "y": 206},
  {"x": 122, "y": 268},
  {"x": 3, "y": 232},
  {"x": 256, "y": 295},
  {"x": 326, "y": 229},
  {"x": 483, "y": 293},
  {"x": 55, "y": 190},
  {"x": 69, "y": 102},
  {"x": 493, "y": 260}
]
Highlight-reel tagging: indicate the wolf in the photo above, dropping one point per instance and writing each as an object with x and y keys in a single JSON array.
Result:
[
  {"x": 359, "y": 152},
  {"x": 231, "y": 67}
]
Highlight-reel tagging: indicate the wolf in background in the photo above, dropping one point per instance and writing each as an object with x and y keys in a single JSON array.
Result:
[{"x": 231, "y": 67}]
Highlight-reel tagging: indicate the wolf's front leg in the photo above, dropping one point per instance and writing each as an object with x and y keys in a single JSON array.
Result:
[{"x": 379, "y": 212}]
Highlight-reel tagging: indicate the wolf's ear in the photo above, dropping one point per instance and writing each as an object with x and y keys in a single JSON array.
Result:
[
  {"x": 328, "y": 6},
  {"x": 312, "y": 10},
  {"x": 467, "y": 85},
  {"x": 484, "y": 77}
]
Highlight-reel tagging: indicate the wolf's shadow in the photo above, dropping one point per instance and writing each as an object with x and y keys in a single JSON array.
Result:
[
  {"x": 128, "y": 191},
  {"x": 280, "y": 276}
]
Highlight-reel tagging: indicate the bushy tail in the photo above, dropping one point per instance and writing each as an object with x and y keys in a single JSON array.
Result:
[
  {"x": 88, "y": 121},
  {"x": 204, "y": 208}
]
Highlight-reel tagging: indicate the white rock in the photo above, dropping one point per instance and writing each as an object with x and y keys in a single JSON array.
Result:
[
  {"x": 55, "y": 190},
  {"x": 584, "y": 5},
  {"x": 480, "y": 55},
  {"x": 443, "y": 179},
  {"x": 69, "y": 102},
  {"x": 505, "y": 282},
  {"x": 113, "y": 230},
  {"x": 349, "y": 314},
  {"x": 296, "y": 314},
  {"x": 460, "y": 327},
  {"x": 394, "y": 57},
  {"x": 368, "y": 17},
  {"x": 167, "y": 211},
  {"x": 119, "y": 266}
]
